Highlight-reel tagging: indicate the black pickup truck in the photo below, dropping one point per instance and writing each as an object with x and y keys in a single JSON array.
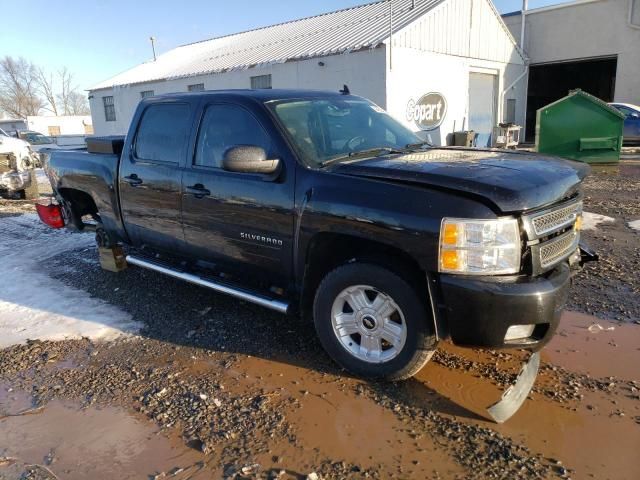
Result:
[{"x": 322, "y": 205}]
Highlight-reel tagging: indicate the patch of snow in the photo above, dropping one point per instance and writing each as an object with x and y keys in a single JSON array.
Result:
[
  {"x": 35, "y": 306},
  {"x": 590, "y": 221},
  {"x": 634, "y": 225}
]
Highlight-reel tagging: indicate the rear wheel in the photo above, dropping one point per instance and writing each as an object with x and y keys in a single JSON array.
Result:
[{"x": 373, "y": 322}]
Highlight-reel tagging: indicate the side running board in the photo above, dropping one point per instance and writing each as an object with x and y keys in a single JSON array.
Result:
[{"x": 273, "y": 304}]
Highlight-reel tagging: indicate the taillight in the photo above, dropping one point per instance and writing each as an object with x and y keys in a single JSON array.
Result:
[{"x": 51, "y": 215}]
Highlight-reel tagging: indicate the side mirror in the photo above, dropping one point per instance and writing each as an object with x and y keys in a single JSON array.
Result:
[
  {"x": 249, "y": 159},
  {"x": 634, "y": 115}
]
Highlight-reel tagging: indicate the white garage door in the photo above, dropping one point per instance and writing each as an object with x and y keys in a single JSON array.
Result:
[{"x": 482, "y": 106}]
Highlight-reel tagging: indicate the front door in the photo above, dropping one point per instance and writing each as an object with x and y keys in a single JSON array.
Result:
[
  {"x": 482, "y": 105},
  {"x": 150, "y": 176},
  {"x": 232, "y": 218}
]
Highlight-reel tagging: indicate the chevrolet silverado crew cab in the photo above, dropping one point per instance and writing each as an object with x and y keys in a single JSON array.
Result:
[{"x": 322, "y": 204}]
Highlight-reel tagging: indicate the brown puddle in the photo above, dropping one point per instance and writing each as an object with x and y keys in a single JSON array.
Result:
[
  {"x": 97, "y": 443},
  {"x": 599, "y": 353},
  {"x": 332, "y": 422},
  {"x": 591, "y": 438}
]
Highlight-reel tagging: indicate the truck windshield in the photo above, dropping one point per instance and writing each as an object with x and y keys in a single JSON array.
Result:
[{"x": 324, "y": 130}]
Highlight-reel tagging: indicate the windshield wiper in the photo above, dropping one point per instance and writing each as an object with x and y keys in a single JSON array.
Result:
[{"x": 369, "y": 152}]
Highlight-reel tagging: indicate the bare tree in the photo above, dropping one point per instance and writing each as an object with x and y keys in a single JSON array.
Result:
[
  {"x": 26, "y": 89},
  {"x": 46, "y": 87},
  {"x": 77, "y": 103},
  {"x": 19, "y": 88},
  {"x": 66, "y": 87}
]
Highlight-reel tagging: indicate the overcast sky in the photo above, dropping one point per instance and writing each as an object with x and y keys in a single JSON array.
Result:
[{"x": 100, "y": 38}]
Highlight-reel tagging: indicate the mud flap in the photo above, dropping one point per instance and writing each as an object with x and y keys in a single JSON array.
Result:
[{"x": 513, "y": 398}]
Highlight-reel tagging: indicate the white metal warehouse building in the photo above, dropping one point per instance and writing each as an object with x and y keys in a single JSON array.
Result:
[{"x": 395, "y": 53}]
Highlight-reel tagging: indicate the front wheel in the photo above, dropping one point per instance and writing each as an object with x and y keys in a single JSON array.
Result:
[{"x": 373, "y": 322}]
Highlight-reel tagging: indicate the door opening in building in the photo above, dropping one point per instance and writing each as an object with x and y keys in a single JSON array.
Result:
[
  {"x": 551, "y": 81},
  {"x": 482, "y": 106}
]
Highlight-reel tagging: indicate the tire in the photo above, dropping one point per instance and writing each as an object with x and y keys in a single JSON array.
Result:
[{"x": 387, "y": 315}]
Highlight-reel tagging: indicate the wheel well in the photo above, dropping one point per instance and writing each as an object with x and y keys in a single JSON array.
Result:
[
  {"x": 79, "y": 204},
  {"x": 328, "y": 251}
]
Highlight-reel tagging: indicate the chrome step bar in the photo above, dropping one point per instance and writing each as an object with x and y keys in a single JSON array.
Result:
[{"x": 273, "y": 304}]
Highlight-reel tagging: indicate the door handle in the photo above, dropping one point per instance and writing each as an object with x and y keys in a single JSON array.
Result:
[
  {"x": 198, "y": 191},
  {"x": 133, "y": 180}
]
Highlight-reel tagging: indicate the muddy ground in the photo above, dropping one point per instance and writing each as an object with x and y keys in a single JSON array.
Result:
[{"x": 215, "y": 388}]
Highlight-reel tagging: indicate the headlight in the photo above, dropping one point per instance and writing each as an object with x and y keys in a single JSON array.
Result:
[{"x": 479, "y": 247}]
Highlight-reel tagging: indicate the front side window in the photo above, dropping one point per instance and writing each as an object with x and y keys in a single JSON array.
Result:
[
  {"x": 163, "y": 133},
  {"x": 324, "y": 129},
  {"x": 109, "y": 109},
  {"x": 224, "y": 126},
  {"x": 35, "y": 138},
  {"x": 625, "y": 110}
]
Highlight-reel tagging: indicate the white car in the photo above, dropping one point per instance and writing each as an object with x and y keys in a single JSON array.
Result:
[{"x": 16, "y": 160}]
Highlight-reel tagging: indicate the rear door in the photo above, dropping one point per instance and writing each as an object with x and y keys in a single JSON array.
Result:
[
  {"x": 150, "y": 175},
  {"x": 234, "y": 219}
]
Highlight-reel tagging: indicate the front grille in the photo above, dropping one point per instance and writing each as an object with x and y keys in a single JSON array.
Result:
[
  {"x": 558, "y": 249},
  {"x": 557, "y": 219},
  {"x": 5, "y": 163}
]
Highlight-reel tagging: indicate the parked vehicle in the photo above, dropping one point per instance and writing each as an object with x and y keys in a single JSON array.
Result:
[
  {"x": 17, "y": 161},
  {"x": 631, "y": 132},
  {"x": 323, "y": 205},
  {"x": 37, "y": 140}
]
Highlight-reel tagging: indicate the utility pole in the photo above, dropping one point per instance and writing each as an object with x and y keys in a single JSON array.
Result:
[
  {"x": 153, "y": 46},
  {"x": 390, "y": 34},
  {"x": 525, "y": 6}
]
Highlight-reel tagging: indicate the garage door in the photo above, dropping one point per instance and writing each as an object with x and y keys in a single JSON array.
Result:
[{"x": 482, "y": 106}]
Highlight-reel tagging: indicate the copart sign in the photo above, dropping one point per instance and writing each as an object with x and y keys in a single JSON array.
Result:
[{"x": 428, "y": 112}]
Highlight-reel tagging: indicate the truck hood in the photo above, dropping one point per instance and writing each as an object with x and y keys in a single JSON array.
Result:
[
  {"x": 11, "y": 145},
  {"x": 512, "y": 181}
]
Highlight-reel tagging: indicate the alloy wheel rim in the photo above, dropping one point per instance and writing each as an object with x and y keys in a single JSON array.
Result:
[{"x": 368, "y": 324}]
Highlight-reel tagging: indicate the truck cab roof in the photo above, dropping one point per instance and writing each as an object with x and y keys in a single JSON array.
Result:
[{"x": 262, "y": 95}]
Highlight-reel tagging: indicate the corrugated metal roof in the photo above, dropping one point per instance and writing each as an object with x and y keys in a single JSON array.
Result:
[{"x": 351, "y": 29}]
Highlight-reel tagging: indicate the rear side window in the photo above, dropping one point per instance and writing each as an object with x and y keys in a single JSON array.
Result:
[
  {"x": 163, "y": 133},
  {"x": 226, "y": 126}
]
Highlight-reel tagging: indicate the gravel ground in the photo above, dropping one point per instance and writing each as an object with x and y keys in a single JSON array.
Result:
[
  {"x": 610, "y": 288},
  {"x": 234, "y": 380}
]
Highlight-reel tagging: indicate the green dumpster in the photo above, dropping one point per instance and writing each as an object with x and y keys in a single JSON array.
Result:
[{"x": 580, "y": 127}]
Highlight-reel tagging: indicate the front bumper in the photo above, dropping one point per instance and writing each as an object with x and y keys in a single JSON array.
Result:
[
  {"x": 15, "y": 181},
  {"x": 479, "y": 311}
]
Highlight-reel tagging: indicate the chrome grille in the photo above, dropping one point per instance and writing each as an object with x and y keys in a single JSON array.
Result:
[
  {"x": 556, "y": 219},
  {"x": 558, "y": 249}
]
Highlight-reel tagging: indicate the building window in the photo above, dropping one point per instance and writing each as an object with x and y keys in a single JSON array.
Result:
[
  {"x": 261, "y": 81},
  {"x": 146, "y": 93},
  {"x": 197, "y": 87},
  {"x": 511, "y": 110},
  {"x": 109, "y": 109},
  {"x": 634, "y": 13}
]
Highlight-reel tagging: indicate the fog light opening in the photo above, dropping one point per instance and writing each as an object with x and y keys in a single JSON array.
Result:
[{"x": 517, "y": 332}]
